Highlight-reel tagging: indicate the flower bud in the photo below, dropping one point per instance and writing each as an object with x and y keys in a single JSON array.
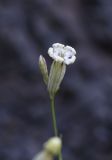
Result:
[
  {"x": 53, "y": 146},
  {"x": 43, "y": 68},
  {"x": 43, "y": 155},
  {"x": 56, "y": 76}
]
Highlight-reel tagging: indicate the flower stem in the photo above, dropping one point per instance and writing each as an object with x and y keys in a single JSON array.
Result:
[
  {"x": 54, "y": 117},
  {"x": 54, "y": 121}
]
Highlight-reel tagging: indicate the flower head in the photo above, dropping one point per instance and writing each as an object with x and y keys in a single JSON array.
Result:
[{"x": 62, "y": 53}]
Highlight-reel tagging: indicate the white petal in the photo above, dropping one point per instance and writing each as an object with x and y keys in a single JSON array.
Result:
[
  {"x": 69, "y": 60},
  {"x": 50, "y": 52},
  {"x": 70, "y": 49},
  {"x": 58, "y": 45}
]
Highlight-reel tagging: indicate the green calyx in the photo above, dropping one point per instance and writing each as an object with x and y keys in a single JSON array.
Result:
[{"x": 56, "y": 76}]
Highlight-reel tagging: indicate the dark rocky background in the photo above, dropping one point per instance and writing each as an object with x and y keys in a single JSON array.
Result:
[{"x": 84, "y": 103}]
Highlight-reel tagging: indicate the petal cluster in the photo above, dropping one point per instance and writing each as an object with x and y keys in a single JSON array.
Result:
[{"x": 62, "y": 53}]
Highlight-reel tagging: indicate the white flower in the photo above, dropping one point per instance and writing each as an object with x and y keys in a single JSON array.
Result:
[{"x": 62, "y": 53}]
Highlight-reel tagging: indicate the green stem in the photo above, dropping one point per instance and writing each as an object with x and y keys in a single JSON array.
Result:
[
  {"x": 54, "y": 117},
  {"x": 54, "y": 121}
]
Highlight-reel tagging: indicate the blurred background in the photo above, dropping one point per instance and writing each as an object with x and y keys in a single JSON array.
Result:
[{"x": 83, "y": 105}]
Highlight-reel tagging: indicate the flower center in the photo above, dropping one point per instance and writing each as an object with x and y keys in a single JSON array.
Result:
[{"x": 61, "y": 54}]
